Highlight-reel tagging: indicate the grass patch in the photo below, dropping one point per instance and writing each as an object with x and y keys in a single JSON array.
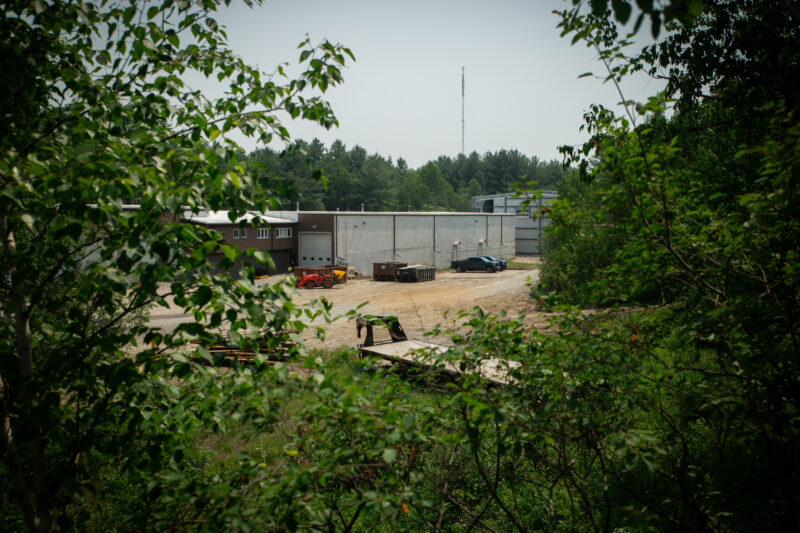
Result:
[{"x": 517, "y": 265}]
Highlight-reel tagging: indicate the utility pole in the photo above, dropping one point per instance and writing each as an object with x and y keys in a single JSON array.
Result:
[{"x": 462, "y": 110}]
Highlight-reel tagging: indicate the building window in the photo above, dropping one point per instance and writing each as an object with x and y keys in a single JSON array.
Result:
[
  {"x": 283, "y": 233},
  {"x": 239, "y": 233},
  {"x": 263, "y": 233}
]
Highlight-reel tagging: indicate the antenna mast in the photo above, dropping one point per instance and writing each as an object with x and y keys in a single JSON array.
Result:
[{"x": 462, "y": 110}]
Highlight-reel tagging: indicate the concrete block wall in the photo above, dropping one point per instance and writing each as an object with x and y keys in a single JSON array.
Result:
[
  {"x": 414, "y": 240},
  {"x": 425, "y": 238}
]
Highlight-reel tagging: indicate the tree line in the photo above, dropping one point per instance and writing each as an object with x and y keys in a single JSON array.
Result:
[{"x": 317, "y": 177}]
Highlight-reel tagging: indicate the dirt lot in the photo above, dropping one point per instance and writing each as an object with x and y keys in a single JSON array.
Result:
[
  {"x": 422, "y": 305},
  {"x": 418, "y": 305}
]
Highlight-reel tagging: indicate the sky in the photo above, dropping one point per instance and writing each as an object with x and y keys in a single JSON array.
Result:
[{"x": 402, "y": 95}]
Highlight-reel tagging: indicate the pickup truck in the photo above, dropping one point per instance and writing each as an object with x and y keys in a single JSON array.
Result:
[
  {"x": 503, "y": 264},
  {"x": 475, "y": 263}
]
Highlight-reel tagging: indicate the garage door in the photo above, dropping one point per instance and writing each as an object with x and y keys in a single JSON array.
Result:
[{"x": 315, "y": 249}]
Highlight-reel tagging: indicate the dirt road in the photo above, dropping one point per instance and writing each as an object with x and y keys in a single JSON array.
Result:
[{"x": 418, "y": 305}]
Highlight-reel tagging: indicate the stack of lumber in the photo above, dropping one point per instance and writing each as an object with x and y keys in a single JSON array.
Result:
[{"x": 232, "y": 354}]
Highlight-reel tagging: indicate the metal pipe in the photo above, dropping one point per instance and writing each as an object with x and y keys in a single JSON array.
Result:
[{"x": 433, "y": 256}]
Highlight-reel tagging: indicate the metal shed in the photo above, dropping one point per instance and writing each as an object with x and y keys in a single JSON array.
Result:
[{"x": 530, "y": 220}]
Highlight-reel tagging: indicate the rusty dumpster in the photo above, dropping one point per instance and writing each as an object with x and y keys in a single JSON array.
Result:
[{"x": 386, "y": 271}]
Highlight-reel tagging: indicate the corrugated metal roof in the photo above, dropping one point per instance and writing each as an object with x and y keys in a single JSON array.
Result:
[
  {"x": 400, "y": 213},
  {"x": 215, "y": 218}
]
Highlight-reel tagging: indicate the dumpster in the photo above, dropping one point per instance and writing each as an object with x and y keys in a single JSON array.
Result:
[
  {"x": 386, "y": 271},
  {"x": 416, "y": 273}
]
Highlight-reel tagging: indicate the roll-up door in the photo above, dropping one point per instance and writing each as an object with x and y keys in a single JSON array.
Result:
[{"x": 315, "y": 249}]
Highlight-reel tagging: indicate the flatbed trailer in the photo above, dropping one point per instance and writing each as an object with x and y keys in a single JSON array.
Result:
[{"x": 422, "y": 354}]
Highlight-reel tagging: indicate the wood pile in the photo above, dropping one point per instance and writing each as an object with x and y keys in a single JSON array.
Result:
[{"x": 231, "y": 354}]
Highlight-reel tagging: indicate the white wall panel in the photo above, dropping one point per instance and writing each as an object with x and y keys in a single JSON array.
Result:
[{"x": 364, "y": 239}]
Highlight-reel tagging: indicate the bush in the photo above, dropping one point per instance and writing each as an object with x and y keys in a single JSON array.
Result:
[{"x": 575, "y": 247}]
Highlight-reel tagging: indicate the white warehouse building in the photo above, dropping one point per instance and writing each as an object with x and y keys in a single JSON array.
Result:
[
  {"x": 530, "y": 220},
  {"x": 359, "y": 239}
]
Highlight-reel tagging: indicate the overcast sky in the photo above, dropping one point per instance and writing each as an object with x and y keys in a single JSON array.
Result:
[{"x": 402, "y": 95}]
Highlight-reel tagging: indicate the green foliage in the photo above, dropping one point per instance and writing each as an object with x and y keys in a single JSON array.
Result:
[
  {"x": 576, "y": 248},
  {"x": 659, "y": 11},
  {"x": 110, "y": 424},
  {"x": 702, "y": 214},
  {"x": 673, "y": 412},
  {"x": 351, "y": 177},
  {"x": 96, "y": 111}
]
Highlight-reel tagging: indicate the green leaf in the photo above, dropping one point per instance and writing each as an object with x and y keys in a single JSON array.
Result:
[
  {"x": 655, "y": 23},
  {"x": 622, "y": 10},
  {"x": 389, "y": 455},
  {"x": 231, "y": 252},
  {"x": 28, "y": 220},
  {"x": 202, "y": 295}
]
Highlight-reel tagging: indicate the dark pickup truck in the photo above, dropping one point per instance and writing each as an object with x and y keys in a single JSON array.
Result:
[
  {"x": 503, "y": 264},
  {"x": 475, "y": 263}
]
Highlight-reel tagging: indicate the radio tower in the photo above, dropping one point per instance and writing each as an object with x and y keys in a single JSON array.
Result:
[{"x": 462, "y": 110}]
